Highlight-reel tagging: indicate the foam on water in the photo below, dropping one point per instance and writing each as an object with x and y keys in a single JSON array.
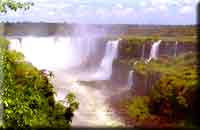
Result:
[
  {"x": 65, "y": 56},
  {"x": 154, "y": 50}
]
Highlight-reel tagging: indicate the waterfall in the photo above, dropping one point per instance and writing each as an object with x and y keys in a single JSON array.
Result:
[
  {"x": 154, "y": 50},
  {"x": 130, "y": 79},
  {"x": 50, "y": 53},
  {"x": 69, "y": 54},
  {"x": 66, "y": 56},
  {"x": 143, "y": 51},
  {"x": 44, "y": 53},
  {"x": 16, "y": 45},
  {"x": 104, "y": 71},
  {"x": 175, "y": 49}
]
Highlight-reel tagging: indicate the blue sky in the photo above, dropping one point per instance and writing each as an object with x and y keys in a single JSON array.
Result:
[{"x": 108, "y": 11}]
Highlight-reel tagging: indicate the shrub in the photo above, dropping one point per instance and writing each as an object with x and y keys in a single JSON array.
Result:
[
  {"x": 172, "y": 95},
  {"x": 138, "y": 107},
  {"x": 28, "y": 95}
]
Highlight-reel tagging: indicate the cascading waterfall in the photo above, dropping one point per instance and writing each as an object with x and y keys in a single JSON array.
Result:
[
  {"x": 154, "y": 50},
  {"x": 16, "y": 45},
  {"x": 66, "y": 57},
  {"x": 175, "y": 49},
  {"x": 104, "y": 71},
  {"x": 67, "y": 53},
  {"x": 50, "y": 53},
  {"x": 143, "y": 51},
  {"x": 130, "y": 79}
]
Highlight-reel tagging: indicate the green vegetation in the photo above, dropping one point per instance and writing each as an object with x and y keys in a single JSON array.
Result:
[
  {"x": 146, "y": 39},
  {"x": 162, "y": 31},
  {"x": 138, "y": 107},
  {"x": 28, "y": 95},
  {"x": 139, "y": 39},
  {"x": 172, "y": 96},
  {"x": 13, "y": 5},
  {"x": 167, "y": 65}
]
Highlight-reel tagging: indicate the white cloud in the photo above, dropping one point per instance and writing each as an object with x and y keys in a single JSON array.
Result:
[
  {"x": 120, "y": 10},
  {"x": 110, "y": 10},
  {"x": 188, "y": 2},
  {"x": 76, "y": 1},
  {"x": 143, "y": 4},
  {"x": 83, "y": 6},
  {"x": 163, "y": 8},
  {"x": 186, "y": 10},
  {"x": 128, "y": 11},
  {"x": 101, "y": 12},
  {"x": 48, "y": 5},
  {"x": 120, "y": 6},
  {"x": 65, "y": 5},
  {"x": 149, "y": 10},
  {"x": 51, "y": 13},
  {"x": 167, "y": 3},
  {"x": 157, "y": 3},
  {"x": 150, "y": 6},
  {"x": 197, "y": 1}
]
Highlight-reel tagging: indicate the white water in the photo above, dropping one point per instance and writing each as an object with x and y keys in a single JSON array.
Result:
[
  {"x": 130, "y": 79},
  {"x": 154, "y": 50},
  {"x": 175, "y": 50},
  {"x": 93, "y": 110},
  {"x": 16, "y": 45},
  {"x": 104, "y": 71},
  {"x": 53, "y": 54},
  {"x": 143, "y": 51},
  {"x": 65, "y": 57}
]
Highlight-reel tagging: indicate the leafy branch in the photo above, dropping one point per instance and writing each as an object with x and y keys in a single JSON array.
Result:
[{"x": 13, "y": 5}]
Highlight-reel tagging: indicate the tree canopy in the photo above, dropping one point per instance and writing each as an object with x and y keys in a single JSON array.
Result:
[{"x": 5, "y": 5}]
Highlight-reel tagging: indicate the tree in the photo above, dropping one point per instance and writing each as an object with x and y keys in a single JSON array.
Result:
[
  {"x": 27, "y": 95},
  {"x": 13, "y": 5}
]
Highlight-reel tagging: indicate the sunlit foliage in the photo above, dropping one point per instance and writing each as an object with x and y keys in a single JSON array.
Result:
[
  {"x": 13, "y": 5},
  {"x": 173, "y": 94},
  {"x": 28, "y": 95}
]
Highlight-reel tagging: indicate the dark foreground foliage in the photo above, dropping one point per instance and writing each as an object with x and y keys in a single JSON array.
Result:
[{"x": 28, "y": 96}]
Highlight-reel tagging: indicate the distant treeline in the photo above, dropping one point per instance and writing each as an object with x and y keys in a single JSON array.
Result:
[{"x": 47, "y": 29}]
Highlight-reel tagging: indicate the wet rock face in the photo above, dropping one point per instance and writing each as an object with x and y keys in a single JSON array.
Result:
[
  {"x": 143, "y": 83},
  {"x": 120, "y": 74},
  {"x": 128, "y": 50}
]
